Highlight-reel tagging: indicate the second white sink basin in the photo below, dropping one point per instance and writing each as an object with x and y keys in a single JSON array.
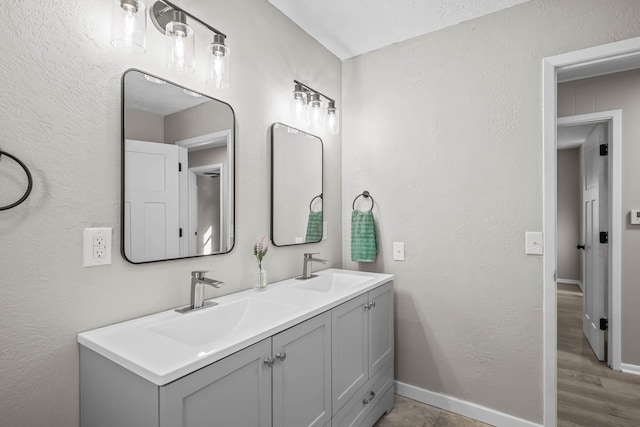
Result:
[
  {"x": 333, "y": 282},
  {"x": 213, "y": 324}
]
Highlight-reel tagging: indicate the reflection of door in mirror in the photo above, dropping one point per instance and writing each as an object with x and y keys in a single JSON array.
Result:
[
  {"x": 178, "y": 172},
  {"x": 296, "y": 199}
]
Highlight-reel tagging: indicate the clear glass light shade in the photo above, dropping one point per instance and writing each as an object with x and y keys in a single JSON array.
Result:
[
  {"x": 220, "y": 68},
  {"x": 332, "y": 119},
  {"x": 299, "y": 104},
  {"x": 180, "y": 47},
  {"x": 315, "y": 111},
  {"x": 129, "y": 25}
]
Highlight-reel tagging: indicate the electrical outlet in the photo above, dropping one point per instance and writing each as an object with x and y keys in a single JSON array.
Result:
[{"x": 96, "y": 246}]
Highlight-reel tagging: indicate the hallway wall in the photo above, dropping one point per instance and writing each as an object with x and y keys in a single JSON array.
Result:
[{"x": 569, "y": 215}]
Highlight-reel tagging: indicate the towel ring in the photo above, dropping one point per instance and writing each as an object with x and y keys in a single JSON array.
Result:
[
  {"x": 29, "y": 185},
  {"x": 311, "y": 202},
  {"x": 366, "y": 195}
]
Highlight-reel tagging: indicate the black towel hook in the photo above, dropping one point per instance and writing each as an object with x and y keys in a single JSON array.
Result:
[
  {"x": 29, "y": 185},
  {"x": 311, "y": 202},
  {"x": 366, "y": 195}
]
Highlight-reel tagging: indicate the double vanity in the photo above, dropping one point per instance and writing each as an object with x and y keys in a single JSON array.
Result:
[{"x": 316, "y": 352}]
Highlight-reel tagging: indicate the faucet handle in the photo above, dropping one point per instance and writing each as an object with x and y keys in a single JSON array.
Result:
[
  {"x": 199, "y": 274},
  {"x": 311, "y": 254}
]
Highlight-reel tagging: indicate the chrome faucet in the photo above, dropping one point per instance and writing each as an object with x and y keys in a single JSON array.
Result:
[
  {"x": 198, "y": 280},
  {"x": 306, "y": 269}
]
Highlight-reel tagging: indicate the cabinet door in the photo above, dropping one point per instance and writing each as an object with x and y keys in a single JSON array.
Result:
[
  {"x": 380, "y": 327},
  {"x": 236, "y": 391},
  {"x": 350, "y": 349},
  {"x": 302, "y": 374}
]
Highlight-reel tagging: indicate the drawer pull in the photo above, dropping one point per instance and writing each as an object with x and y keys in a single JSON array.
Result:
[
  {"x": 281, "y": 356},
  {"x": 269, "y": 361},
  {"x": 371, "y": 396}
]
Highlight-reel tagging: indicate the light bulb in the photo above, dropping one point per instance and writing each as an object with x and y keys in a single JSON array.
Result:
[
  {"x": 315, "y": 111},
  {"x": 299, "y": 103},
  {"x": 332, "y": 119},
  {"x": 128, "y": 25},
  {"x": 220, "y": 62},
  {"x": 180, "y": 44}
]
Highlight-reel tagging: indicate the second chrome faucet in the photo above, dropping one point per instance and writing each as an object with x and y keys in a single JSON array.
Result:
[{"x": 306, "y": 268}]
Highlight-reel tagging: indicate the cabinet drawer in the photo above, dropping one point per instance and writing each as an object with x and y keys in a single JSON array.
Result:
[
  {"x": 385, "y": 404},
  {"x": 356, "y": 410}
]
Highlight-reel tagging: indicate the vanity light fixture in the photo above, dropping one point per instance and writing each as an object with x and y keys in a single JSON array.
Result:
[
  {"x": 128, "y": 28},
  {"x": 129, "y": 25},
  {"x": 308, "y": 106}
]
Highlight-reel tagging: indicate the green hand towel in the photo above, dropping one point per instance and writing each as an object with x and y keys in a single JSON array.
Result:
[
  {"x": 364, "y": 243},
  {"x": 314, "y": 227}
]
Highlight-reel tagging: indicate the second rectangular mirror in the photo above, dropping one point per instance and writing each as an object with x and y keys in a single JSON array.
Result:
[{"x": 296, "y": 186}]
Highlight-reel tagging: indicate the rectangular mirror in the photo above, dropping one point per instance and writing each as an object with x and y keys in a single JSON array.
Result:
[
  {"x": 178, "y": 167},
  {"x": 296, "y": 186}
]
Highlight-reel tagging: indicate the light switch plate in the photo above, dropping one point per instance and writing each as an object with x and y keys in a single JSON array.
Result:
[
  {"x": 635, "y": 217},
  {"x": 533, "y": 243},
  {"x": 96, "y": 246},
  {"x": 398, "y": 251}
]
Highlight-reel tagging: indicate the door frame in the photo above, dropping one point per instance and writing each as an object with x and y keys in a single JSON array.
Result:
[
  {"x": 599, "y": 60},
  {"x": 613, "y": 118}
]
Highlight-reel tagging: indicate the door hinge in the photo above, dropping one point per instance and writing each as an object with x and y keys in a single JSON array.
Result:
[
  {"x": 604, "y": 324},
  {"x": 180, "y": 232},
  {"x": 604, "y": 237},
  {"x": 179, "y": 167},
  {"x": 604, "y": 149}
]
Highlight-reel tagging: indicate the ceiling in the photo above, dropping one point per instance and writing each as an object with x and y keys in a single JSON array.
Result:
[
  {"x": 574, "y": 136},
  {"x": 349, "y": 28}
]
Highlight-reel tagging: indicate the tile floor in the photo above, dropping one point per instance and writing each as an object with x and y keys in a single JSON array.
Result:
[{"x": 409, "y": 413}]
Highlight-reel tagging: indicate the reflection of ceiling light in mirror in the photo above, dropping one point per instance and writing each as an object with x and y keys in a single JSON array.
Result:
[
  {"x": 292, "y": 130},
  {"x": 191, "y": 93},
  {"x": 128, "y": 25},
  {"x": 154, "y": 79}
]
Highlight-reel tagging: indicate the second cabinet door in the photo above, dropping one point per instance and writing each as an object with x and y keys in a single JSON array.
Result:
[
  {"x": 350, "y": 349},
  {"x": 302, "y": 374},
  {"x": 380, "y": 327}
]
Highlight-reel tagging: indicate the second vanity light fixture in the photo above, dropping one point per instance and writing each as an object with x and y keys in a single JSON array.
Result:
[
  {"x": 128, "y": 28},
  {"x": 308, "y": 106}
]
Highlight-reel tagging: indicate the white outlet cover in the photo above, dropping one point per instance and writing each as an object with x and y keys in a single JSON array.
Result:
[
  {"x": 398, "y": 251},
  {"x": 91, "y": 237}
]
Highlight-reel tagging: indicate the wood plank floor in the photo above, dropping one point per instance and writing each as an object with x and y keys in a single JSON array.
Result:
[{"x": 589, "y": 393}]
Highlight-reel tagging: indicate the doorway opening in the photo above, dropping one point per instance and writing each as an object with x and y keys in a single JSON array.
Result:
[{"x": 596, "y": 61}]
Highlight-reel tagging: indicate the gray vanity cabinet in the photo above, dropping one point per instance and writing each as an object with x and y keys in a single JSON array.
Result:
[
  {"x": 236, "y": 391},
  {"x": 302, "y": 374},
  {"x": 362, "y": 355}
]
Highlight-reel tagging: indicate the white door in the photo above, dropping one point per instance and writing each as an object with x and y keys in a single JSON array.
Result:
[
  {"x": 595, "y": 254},
  {"x": 151, "y": 196}
]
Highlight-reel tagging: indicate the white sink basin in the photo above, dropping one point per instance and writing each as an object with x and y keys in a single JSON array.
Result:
[
  {"x": 213, "y": 324},
  {"x": 333, "y": 282}
]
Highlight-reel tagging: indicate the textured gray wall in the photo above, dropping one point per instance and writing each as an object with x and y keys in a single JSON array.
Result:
[
  {"x": 60, "y": 85},
  {"x": 612, "y": 92},
  {"x": 569, "y": 214},
  {"x": 445, "y": 131}
]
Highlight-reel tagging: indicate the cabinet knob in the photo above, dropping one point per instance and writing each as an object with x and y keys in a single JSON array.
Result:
[
  {"x": 367, "y": 306},
  {"x": 281, "y": 356},
  {"x": 269, "y": 361},
  {"x": 372, "y": 304},
  {"x": 371, "y": 396}
]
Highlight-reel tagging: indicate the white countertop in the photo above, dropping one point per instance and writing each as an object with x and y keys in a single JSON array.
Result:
[{"x": 136, "y": 345}]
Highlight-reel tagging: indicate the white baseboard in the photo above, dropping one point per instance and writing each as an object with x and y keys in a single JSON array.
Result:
[
  {"x": 571, "y": 281},
  {"x": 630, "y": 369},
  {"x": 462, "y": 407}
]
